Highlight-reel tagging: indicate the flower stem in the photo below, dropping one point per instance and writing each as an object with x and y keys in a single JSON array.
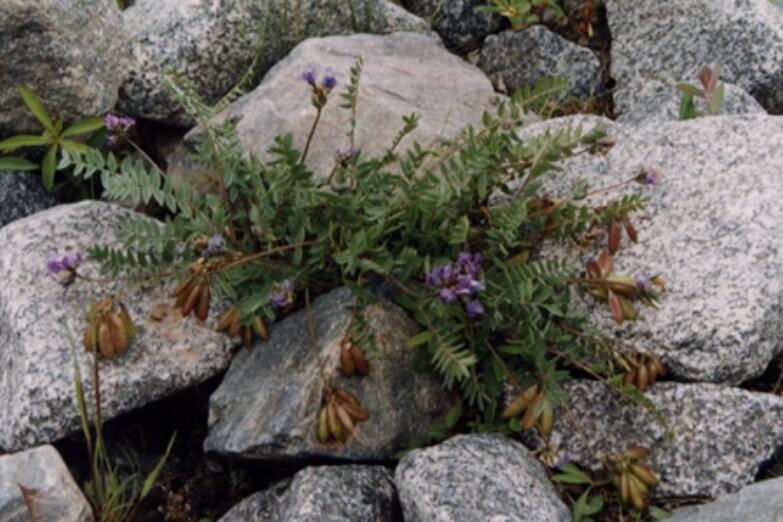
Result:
[{"x": 310, "y": 136}]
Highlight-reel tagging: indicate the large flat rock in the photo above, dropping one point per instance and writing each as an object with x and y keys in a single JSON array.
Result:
[
  {"x": 36, "y": 365},
  {"x": 762, "y": 501}
]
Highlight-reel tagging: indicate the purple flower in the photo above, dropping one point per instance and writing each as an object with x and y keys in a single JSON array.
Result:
[
  {"x": 643, "y": 282},
  {"x": 283, "y": 294},
  {"x": 342, "y": 155},
  {"x": 215, "y": 246},
  {"x": 466, "y": 285},
  {"x": 564, "y": 459},
  {"x": 309, "y": 75},
  {"x": 118, "y": 123},
  {"x": 328, "y": 81},
  {"x": 62, "y": 268},
  {"x": 447, "y": 295},
  {"x": 474, "y": 309},
  {"x": 470, "y": 263},
  {"x": 649, "y": 175}
]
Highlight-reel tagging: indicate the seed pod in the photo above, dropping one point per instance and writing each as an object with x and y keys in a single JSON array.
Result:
[
  {"x": 192, "y": 300},
  {"x": 593, "y": 272},
  {"x": 620, "y": 284},
  {"x": 628, "y": 311},
  {"x": 335, "y": 428},
  {"x": 614, "y": 238},
  {"x": 90, "y": 334},
  {"x": 346, "y": 396},
  {"x": 226, "y": 319},
  {"x": 637, "y": 491},
  {"x": 605, "y": 263},
  {"x": 659, "y": 367},
  {"x": 235, "y": 326},
  {"x": 643, "y": 378},
  {"x": 517, "y": 406},
  {"x": 625, "y": 487},
  {"x": 631, "y": 231},
  {"x": 546, "y": 420},
  {"x": 127, "y": 323},
  {"x": 644, "y": 473},
  {"x": 616, "y": 308},
  {"x": 202, "y": 310},
  {"x": 346, "y": 362},
  {"x": 323, "y": 426},
  {"x": 184, "y": 287},
  {"x": 260, "y": 327},
  {"x": 359, "y": 362},
  {"x": 247, "y": 336},
  {"x": 357, "y": 413},
  {"x": 529, "y": 420},
  {"x": 652, "y": 372},
  {"x": 105, "y": 343},
  {"x": 344, "y": 418},
  {"x": 635, "y": 453},
  {"x": 630, "y": 378},
  {"x": 118, "y": 337}
]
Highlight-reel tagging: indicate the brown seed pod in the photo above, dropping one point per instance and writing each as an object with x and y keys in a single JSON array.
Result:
[
  {"x": 118, "y": 337},
  {"x": 625, "y": 487},
  {"x": 630, "y": 378},
  {"x": 247, "y": 336},
  {"x": 323, "y": 426},
  {"x": 235, "y": 326},
  {"x": 127, "y": 323},
  {"x": 259, "y": 325},
  {"x": 356, "y": 412},
  {"x": 635, "y": 453},
  {"x": 518, "y": 405},
  {"x": 192, "y": 299},
  {"x": 637, "y": 492},
  {"x": 631, "y": 231},
  {"x": 335, "y": 428},
  {"x": 202, "y": 309},
  {"x": 644, "y": 473},
  {"x": 226, "y": 319},
  {"x": 90, "y": 334},
  {"x": 346, "y": 396},
  {"x": 184, "y": 287},
  {"x": 660, "y": 369},
  {"x": 614, "y": 237},
  {"x": 360, "y": 363},
  {"x": 546, "y": 420},
  {"x": 105, "y": 343},
  {"x": 643, "y": 378},
  {"x": 344, "y": 418},
  {"x": 347, "y": 368},
  {"x": 616, "y": 308},
  {"x": 529, "y": 420}
]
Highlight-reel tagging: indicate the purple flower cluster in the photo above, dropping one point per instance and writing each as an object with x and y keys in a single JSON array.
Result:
[
  {"x": 283, "y": 294},
  {"x": 343, "y": 155},
  {"x": 649, "y": 175},
  {"x": 215, "y": 246},
  {"x": 643, "y": 282},
  {"x": 118, "y": 126},
  {"x": 62, "y": 268},
  {"x": 460, "y": 282},
  {"x": 328, "y": 81}
]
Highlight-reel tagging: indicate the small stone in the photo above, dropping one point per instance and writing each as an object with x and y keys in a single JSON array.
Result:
[
  {"x": 722, "y": 435},
  {"x": 40, "y": 475},
  {"x": 22, "y": 194},
  {"x": 268, "y": 403},
  {"x": 759, "y": 502},
  {"x": 324, "y": 494},
  {"x": 37, "y": 398},
  {"x": 69, "y": 52},
  {"x": 457, "y": 21},
  {"x": 477, "y": 478},
  {"x": 520, "y": 59}
]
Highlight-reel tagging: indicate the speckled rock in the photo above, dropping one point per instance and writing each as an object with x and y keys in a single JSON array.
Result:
[
  {"x": 51, "y": 491},
  {"x": 36, "y": 364},
  {"x": 477, "y": 478},
  {"x": 324, "y": 494},
  {"x": 712, "y": 230},
  {"x": 456, "y": 21},
  {"x": 722, "y": 434},
  {"x": 22, "y": 194},
  {"x": 644, "y": 101},
  {"x": 70, "y": 52},
  {"x": 213, "y": 42},
  {"x": 522, "y": 58},
  {"x": 403, "y": 73},
  {"x": 673, "y": 40},
  {"x": 761, "y": 502},
  {"x": 268, "y": 403}
]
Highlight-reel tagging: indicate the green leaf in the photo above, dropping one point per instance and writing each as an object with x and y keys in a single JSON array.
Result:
[
  {"x": 36, "y": 107},
  {"x": 687, "y": 88},
  {"x": 73, "y": 146},
  {"x": 453, "y": 415},
  {"x": 23, "y": 140},
  {"x": 419, "y": 339},
  {"x": 48, "y": 167},
  {"x": 149, "y": 482},
  {"x": 83, "y": 127},
  {"x": 687, "y": 108},
  {"x": 586, "y": 506},
  {"x": 657, "y": 513},
  {"x": 717, "y": 99},
  {"x": 11, "y": 163}
]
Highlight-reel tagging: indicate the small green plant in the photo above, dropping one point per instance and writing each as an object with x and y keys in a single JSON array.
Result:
[
  {"x": 524, "y": 13},
  {"x": 53, "y": 137},
  {"x": 711, "y": 91}
]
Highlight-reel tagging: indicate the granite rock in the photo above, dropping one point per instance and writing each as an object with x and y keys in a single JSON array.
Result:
[
  {"x": 22, "y": 194},
  {"x": 70, "y": 52},
  {"x": 212, "y": 43},
  {"x": 477, "y": 478},
  {"x": 670, "y": 41},
  {"x": 762, "y": 502},
  {"x": 645, "y": 101},
  {"x": 51, "y": 491},
  {"x": 722, "y": 435},
  {"x": 710, "y": 228},
  {"x": 403, "y": 73},
  {"x": 324, "y": 494},
  {"x": 522, "y": 58},
  {"x": 457, "y": 22},
  {"x": 36, "y": 362},
  {"x": 268, "y": 403}
]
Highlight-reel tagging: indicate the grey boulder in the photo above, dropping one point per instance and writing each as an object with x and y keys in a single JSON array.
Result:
[
  {"x": 710, "y": 228},
  {"x": 22, "y": 194},
  {"x": 520, "y": 59},
  {"x": 761, "y": 502},
  {"x": 722, "y": 435},
  {"x": 213, "y": 43},
  {"x": 324, "y": 494},
  {"x": 36, "y": 485},
  {"x": 456, "y": 21},
  {"x": 674, "y": 40},
  {"x": 477, "y": 478},
  {"x": 645, "y": 101},
  {"x": 404, "y": 73},
  {"x": 36, "y": 362},
  {"x": 268, "y": 403},
  {"x": 70, "y": 52}
]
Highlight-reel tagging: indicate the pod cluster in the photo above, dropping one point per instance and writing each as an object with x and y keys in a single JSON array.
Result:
[
  {"x": 534, "y": 408},
  {"x": 643, "y": 371},
  {"x": 339, "y": 415},
  {"x": 352, "y": 359},
  {"x": 192, "y": 295},
  {"x": 632, "y": 477},
  {"x": 230, "y": 323},
  {"x": 108, "y": 330}
]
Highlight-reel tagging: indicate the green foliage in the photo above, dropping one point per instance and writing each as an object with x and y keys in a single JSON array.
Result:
[
  {"x": 53, "y": 137},
  {"x": 711, "y": 91},
  {"x": 524, "y": 13}
]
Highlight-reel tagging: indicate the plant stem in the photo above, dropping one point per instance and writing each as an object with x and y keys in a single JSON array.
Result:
[
  {"x": 310, "y": 136},
  {"x": 268, "y": 253}
]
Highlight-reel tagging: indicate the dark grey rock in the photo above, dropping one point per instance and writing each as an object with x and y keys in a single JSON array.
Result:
[
  {"x": 722, "y": 435},
  {"x": 324, "y": 494},
  {"x": 711, "y": 229},
  {"x": 22, "y": 194},
  {"x": 477, "y": 478},
  {"x": 522, "y": 58},
  {"x": 644, "y": 101},
  {"x": 670, "y": 41},
  {"x": 403, "y": 73},
  {"x": 36, "y": 363},
  {"x": 51, "y": 491},
  {"x": 268, "y": 403},
  {"x": 70, "y": 52},
  {"x": 213, "y": 43},
  {"x": 759, "y": 502},
  {"x": 456, "y": 21}
]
